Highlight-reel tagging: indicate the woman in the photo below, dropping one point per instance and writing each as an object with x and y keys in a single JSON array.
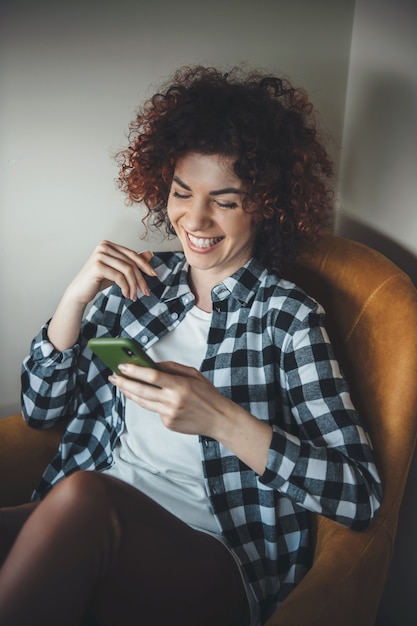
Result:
[{"x": 209, "y": 466}]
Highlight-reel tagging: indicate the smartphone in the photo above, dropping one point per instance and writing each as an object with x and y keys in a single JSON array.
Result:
[{"x": 113, "y": 351}]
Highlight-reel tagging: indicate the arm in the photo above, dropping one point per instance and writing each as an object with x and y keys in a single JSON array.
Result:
[
  {"x": 321, "y": 459},
  {"x": 326, "y": 462},
  {"x": 55, "y": 383},
  {"x": 109, "y": 264},
  {"x": 51, "y": 376}
]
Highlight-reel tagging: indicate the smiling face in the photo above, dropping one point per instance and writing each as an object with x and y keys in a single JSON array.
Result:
[{"x": 205, "y": 209}]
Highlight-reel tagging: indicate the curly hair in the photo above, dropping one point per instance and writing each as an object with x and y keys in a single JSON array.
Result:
[{"x": 265, "y": 124}]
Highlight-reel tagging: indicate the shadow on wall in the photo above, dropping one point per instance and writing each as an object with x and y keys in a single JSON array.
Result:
[
  {"x": 350, "y": 227},
  {"x": 398, "y": 606},
  {"x": 379, "y": 170}
]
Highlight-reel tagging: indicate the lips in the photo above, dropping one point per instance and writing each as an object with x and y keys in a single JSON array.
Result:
[{"x": 204, "y": 242}]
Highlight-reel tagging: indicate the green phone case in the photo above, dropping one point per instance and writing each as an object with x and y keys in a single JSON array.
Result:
[{"x": 113, "y": 351}]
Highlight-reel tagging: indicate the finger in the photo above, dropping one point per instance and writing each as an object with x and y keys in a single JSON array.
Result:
[
  {"x": 140, "y": 262},
  {"x": 147, "y": 375},
  {"x": 113, "y": 270},
  {"x": 143, "y": 259},
  {"x": 146, "y": 395},
  {"x": 140, "y": 259},
  {"x": 125, "y": 261},
  {"x": 171, "y": 367}
]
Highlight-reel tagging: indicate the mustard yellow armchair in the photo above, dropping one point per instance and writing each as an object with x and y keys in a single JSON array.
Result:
[{"x": 372, "y": 320}]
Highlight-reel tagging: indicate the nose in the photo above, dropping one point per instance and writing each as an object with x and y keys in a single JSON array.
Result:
[{"x": 198, "y": 217}]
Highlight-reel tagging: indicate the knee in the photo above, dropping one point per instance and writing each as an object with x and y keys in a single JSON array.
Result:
[{"x": 86, "y": 491}]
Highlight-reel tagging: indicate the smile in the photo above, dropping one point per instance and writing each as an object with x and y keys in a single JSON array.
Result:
[{"x": 204, "y": 242}]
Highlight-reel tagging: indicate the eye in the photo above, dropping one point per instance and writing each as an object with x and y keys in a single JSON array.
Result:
[
  {"x": 177, "y": 194},
  {"x": 227, "y": 205}
]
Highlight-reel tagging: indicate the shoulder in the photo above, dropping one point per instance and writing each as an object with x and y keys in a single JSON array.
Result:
[
  {"x": 281, "y": 294},
  {"x": 285, "y": 310}
]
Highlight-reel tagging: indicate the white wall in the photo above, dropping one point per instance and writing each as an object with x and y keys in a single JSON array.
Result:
[
  {"x": 72, "y": 74},
  {"x": 378, "y": 200}
]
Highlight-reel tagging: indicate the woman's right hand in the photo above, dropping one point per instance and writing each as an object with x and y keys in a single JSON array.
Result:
[{"x": 109, "y": 264}]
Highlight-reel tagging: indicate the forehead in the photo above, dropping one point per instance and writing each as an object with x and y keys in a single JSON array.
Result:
[{"x": 207, "y": 169}]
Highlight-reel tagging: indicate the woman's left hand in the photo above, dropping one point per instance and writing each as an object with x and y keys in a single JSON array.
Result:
[
  {"x": 185, "y": 400},
  {"x": 188, "y": 403}
]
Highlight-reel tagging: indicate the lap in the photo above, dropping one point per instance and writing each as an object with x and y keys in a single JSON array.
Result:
[{"x": 165, "y": 571}]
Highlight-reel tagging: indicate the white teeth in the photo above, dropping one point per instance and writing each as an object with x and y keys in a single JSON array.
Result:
[{"x": 204, "y": 243}]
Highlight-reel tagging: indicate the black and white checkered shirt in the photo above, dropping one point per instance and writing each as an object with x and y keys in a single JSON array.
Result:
[{"x": 267, "y": 351}]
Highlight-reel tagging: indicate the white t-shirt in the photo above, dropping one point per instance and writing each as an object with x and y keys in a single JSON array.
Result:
[{"x": 163, "y": 464}]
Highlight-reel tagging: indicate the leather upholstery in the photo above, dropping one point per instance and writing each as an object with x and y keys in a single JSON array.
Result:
[{"x": 371, "y": 310}]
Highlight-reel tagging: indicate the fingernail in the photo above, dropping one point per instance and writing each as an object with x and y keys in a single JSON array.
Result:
[{"x": 123, "y": 367}]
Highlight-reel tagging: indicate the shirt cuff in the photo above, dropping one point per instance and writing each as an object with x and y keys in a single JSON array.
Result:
[
  {"x": 282, "y": 458},
  {"x": 45, "y": 353}
]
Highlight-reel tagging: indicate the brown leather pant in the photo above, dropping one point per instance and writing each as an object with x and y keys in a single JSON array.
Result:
[{"x": 95, "y": 542}]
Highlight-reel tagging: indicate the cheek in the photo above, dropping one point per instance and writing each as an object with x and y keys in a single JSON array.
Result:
[
  {"x": 243, "y": 229},
  {"x": 173, "y": 217}
]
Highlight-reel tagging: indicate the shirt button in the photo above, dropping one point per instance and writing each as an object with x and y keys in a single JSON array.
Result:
[
  {"x": 174, "y": 316},
  {"x": 144, "y": 339}
]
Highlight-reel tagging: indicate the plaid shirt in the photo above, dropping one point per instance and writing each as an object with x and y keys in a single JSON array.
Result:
[{"x": 267, "y": 351}]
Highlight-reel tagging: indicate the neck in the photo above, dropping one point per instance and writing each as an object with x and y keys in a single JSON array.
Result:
[{"x": 201, "y": 284}]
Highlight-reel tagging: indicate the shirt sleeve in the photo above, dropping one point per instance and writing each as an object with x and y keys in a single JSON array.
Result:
[
  {"x": 58, "y": 385},
  {"x": 323, "y": 461}
]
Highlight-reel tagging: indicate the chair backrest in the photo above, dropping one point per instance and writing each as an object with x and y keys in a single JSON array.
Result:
[{"x": 371, "y": 308}]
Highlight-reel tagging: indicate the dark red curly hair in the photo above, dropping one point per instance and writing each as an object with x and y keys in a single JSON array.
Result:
[{"x": 261, "y": 121}]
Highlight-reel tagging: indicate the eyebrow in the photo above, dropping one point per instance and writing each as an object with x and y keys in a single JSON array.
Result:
[{"x": 215, "y": 192}]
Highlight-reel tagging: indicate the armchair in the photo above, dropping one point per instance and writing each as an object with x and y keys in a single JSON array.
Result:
[{"x": 371, "y": 317}]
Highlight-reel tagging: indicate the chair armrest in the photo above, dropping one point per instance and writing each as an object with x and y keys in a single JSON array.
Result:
[
  {"x": 346, "y": 580},
  {"x": 24, "y": 454}
]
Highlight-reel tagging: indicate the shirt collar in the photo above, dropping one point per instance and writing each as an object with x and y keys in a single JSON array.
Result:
[
  {"x": 176, "y": 283},
  {"x": 241, "y": 286}
]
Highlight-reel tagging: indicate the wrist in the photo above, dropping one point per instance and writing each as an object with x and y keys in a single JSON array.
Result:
[
  {"x": 64, "y": 326},
  {"x": 72, "y": 298},
  {"x": 245, "y": 436}
]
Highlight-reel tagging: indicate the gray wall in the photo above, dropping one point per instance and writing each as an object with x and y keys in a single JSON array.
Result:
[
  {"x": 73, "y": 73},
  {"x": 378, "y": 203}
]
